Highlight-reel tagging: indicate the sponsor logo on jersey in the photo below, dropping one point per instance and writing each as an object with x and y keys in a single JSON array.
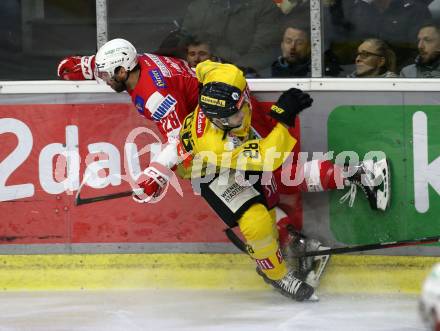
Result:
[
  {"x": 188, "y": 121},
  {"x": 265, "y": 264},
  {"x": 164, "y": 107},
  {"x": 212, "y": 101},
  {"x": 201, "y": 123},
  {"x": 279, "y": 256},
  {"x": 162, "y": 66},
  {"x": 232, "y": 192},
  {"x": 146, "y": 61},
  {"x": 139, "y": 104},
  {"x": 173, "y": 64},
  {"x": 187, "y": 142},
  {"x": 157, "y": 78},
  {"x": 188, "y": 69}
]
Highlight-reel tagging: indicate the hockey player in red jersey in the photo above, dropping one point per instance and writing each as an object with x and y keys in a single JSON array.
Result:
[{"x": 165, "y": 90}]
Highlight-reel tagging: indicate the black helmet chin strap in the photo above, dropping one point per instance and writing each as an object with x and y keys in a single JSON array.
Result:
[
  {"x": 225, "y": 127},
  {"x": 225, "y": 132},
  {"x": 128, "y": 75}
]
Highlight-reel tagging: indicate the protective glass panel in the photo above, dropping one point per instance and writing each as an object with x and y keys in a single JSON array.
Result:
[
  {"x": 247, "y": 33},
  {"x": 243, "y": 32},
  {"x": 151, "y": 26},
  {"x": 293, "y": 45},
  {"x": 36, "y": 34},
  {"x": 381, "y": 38}
]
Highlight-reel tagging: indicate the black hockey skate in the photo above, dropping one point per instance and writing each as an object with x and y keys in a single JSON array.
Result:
[
  {"x": 308, "y": 268},
  {"x": 373, "y": 178},
  {"x": 290, "y": 286}
]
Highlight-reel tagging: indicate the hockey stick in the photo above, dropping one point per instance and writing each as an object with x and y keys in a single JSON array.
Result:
[
  {"x": 79, "y": 201},
  {"x": 341, "y": 250},
  {"x": 369, "y": 247},
  {"x": 236, "y": 240}
]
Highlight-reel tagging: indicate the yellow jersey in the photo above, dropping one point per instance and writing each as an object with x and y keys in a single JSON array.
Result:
[
  {"x": 203, "y": 143},
  {"x": 210, "y": 148}
]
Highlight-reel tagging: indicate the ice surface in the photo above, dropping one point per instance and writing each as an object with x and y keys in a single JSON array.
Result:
[{"x": 159, "y": 310}]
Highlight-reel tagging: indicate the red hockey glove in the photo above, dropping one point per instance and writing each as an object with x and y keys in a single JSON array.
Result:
[
  {"x": 76, "y": 67},
  {"x": 152, "y": 183}
]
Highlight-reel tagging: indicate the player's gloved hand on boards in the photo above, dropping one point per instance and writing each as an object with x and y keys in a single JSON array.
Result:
[
  {"x": 151, "y": 184},
  {"x": 76, "y": 67},
  {"x": 289, "y": 104}
]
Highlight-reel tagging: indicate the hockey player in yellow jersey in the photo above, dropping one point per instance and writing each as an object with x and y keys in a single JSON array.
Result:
[{"x": 233, "y": 167}]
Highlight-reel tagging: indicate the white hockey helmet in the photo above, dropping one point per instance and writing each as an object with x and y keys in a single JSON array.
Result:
[{"x": 113, "y": 54}]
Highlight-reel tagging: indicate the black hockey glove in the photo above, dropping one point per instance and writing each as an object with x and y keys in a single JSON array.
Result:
[{"x": 289, "y": 104}]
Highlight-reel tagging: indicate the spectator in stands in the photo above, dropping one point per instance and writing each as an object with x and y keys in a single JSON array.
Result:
[
  {"x": 427, "y": 63},
  {"x": 295, "y": 59},
  {"x": 242, "y": 32},
  {"x": 179, "y": 43},
  {"x": 348, "y": 22},
  {"x": 295, "y": 54},
  {"x": 375, "y": 59},
  {"x": 197, "y": 51}
]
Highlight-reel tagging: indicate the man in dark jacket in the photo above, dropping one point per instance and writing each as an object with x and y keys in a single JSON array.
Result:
[
  {"x": 295, "y": 50},
  {"x": 427, "y": 63},
  {"x": 295, "y": 59}
]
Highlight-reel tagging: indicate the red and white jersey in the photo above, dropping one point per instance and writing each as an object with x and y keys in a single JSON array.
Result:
[{"x": 166, "y": 92}]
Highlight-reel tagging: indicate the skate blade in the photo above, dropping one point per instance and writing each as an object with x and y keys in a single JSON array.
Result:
[
  {"x": 313, "y": 298},
  {"x": 313, "y": 278},
  {"x": 382, "y": 175}
]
